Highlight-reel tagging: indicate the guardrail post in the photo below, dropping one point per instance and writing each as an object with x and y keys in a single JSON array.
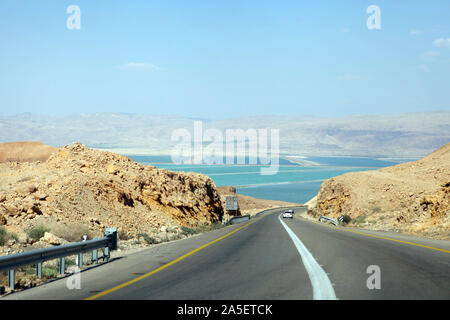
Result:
[
  {"x": 94, "y": 256},
  {"x": 80, "y": 260},
  {"x": 11, "y": 278},
  {"x": 112, "y": 234},
  {"x": 62, "y": 265},
  {"x": 39, "y": 270},
  {"x": 106, "y": 254}
]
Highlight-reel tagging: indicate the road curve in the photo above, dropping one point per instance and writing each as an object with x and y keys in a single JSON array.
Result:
[{"x": 260, "y": 260}]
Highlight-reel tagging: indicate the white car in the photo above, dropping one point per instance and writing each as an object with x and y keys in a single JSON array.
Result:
[{"x": 288, "y": 214}]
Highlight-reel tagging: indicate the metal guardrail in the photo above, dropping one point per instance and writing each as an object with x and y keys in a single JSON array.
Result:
[
  {"x": 262, "y": 212},
  {"x": 37, "y": 257},
  {"x": 333, "y": 221},
  {"x": 239, "y": 219}
]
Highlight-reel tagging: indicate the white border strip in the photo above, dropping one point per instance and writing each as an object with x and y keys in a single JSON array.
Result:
[{"x": 322, "y": 288}]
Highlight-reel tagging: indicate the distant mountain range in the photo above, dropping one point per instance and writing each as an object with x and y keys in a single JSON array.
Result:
[{"x": 404, "y": 135}]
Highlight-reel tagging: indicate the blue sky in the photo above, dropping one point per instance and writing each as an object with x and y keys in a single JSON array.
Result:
[{"x": 222, "y": 59}]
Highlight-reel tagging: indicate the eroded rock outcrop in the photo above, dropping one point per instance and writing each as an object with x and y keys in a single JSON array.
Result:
[
  {"x": 97, "y": 189},
  {"x": 412, "y": 197},
  {"x": 25, "y": 151}
]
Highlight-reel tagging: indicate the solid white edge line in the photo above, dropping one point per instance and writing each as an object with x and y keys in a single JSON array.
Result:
[{"x": 321, "y": 284}]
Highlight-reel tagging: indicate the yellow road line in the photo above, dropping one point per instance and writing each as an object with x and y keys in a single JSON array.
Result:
[
  {"x": 103, "y": 293},
  {"x": 384, "y": 238}
]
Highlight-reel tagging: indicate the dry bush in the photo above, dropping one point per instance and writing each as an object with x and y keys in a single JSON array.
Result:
[
  {"x": 3, "y": 236},
  {"x": 72, "y": 233},
  {"x": 123, "y": 235},
  {"x": 37, "y": 232}
]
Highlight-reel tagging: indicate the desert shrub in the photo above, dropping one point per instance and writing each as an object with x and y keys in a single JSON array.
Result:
[
  {"x": 147, "y": 238},
  {"x": 49, "y": 273},
  {"x": 189, "y": 231},
  {"x": 209, "y": 227},
  {"x": 28, "y": 270},
  {"x": 70, "y": 262},
  {"x": 3, "y": 236},
  {"x": 176, "y": 236},
  {"x": 123, "y": 235},
  {"x": 71, "y": 233},
  {"x": 37, "y": 232},
  {"x": 164, "y": 239},
  {"x": 346, "y": 218},
  {"x": 360, "y": 219},
  {"x": 214, "y": 226}
]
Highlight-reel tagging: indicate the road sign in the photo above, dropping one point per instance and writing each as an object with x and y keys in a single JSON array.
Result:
[{"x": 231, "y": 203}]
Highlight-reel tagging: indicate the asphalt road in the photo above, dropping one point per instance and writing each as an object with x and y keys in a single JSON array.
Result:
[{"x": 269, "y": 258}]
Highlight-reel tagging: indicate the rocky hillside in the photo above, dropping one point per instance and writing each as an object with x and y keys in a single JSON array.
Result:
[
  {"x": 25, "y": 151},
  {"x": 413, "y": 197},
  {"x": 79, "y": 190}
]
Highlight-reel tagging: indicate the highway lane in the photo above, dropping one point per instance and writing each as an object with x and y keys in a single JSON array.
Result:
[
  {"x": 259, "y": 260},
  {"x": 406, "y": 271}
]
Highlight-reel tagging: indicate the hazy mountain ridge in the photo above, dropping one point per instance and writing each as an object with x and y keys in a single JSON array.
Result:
[{"x": 412, "y": 134}]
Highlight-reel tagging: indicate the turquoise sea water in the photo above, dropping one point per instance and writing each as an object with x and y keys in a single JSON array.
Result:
[{"x": 293, "y": 182}]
